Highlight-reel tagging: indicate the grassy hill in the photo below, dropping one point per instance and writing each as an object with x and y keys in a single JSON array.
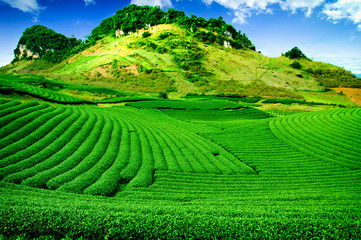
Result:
[
  {"x": 131, "y": 63},
  {"x": 175, "y": 54}
]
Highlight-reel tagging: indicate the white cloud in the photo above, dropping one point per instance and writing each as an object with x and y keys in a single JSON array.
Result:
[
  {"x": 344, "y": 10},
  {"x": 346, "y": 56},
  {"x": 244, "y": 8},
  {"x": 160, "y": 3},
  {"x": 30, "y": 6},
  {"x": 306, "y": 5},
  {"x": 89, "y": 2},
  {"x": 350, "y": 63},
  {"x": 207, "y": 2},
  {"x": 237, "y": 4},
  {"x": 241, "y": 16}
]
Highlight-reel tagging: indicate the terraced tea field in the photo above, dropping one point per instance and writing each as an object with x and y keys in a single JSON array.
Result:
[
  {"x": 45, "y": 94},
  {"x": 197, "y": 169}
]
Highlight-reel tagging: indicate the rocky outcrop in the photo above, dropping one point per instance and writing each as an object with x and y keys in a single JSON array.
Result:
[
  {"x": 228, "y": 34},
  {"x": 119, "y": 33},
  {"x": 24, "y": 52},
  {"x": 227, "y": 44}
]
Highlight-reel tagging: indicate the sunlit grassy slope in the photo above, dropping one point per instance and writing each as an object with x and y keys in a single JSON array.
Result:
[
  {"x": 172, "y": 59},
  {"x": 222, "y": 63}
]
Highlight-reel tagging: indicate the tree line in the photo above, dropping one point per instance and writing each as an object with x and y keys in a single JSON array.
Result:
[
  {"x": 133, "y": 17},
  {"x": 55, "y": 47},
  {"x": 46, "y": 43}
]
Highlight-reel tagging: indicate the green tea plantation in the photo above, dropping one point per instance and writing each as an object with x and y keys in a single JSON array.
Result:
[{"x": 175, "y": 169}]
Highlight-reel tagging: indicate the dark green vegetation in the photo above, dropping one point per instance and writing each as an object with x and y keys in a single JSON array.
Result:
[
  {"x": 295, "y": 53},
  {"x": 330, "y": 77},
  {"x": 55, "y": 91},
  {"x": 132, "y": 18},
  {"x": 203, "y": 168},
  {"x": 41, "y": 42},
  {"x": 10, "y": 85},
  {"x": 196, "y": 104},
  {"x": 292, "y": 101}
]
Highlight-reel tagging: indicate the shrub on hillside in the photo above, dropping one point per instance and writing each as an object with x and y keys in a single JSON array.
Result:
[
  {"x": 296, "y": 65},
  {"x": 163, "y": 35},
  {"x": 163, "y": 95},
  {"x": 295, "y": 53},
  {"x": 146, "y": 34},
  {"x": 335, "y": 77}
]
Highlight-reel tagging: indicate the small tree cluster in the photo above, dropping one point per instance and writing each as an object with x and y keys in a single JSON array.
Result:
[
  {"x": 296, "y": 65},
  {"x": 47, "y": 43},
  {"x": 146, "y": 34},
  {"x": 295, "y": 53}
]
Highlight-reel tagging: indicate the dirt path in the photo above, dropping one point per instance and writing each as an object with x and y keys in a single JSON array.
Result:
[{"x": 354, "y": 94}]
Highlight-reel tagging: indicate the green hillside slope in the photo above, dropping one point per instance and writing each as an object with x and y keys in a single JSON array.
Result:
[{"x": 145, "y": 49}]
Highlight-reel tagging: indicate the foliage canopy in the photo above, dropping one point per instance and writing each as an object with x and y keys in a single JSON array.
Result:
[
  {"x": 45, "y": 42},
  {"x": 55, "y": 47},
  {"x": 133, "y": 17},
  {"x": 295, "y": 53}
]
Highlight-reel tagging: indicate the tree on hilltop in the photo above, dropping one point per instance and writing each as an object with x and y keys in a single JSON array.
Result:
[
  {"x": 46, "y": 43},
  {"x": 295, "y": 53},
  {"x": 132, "y": 18}
]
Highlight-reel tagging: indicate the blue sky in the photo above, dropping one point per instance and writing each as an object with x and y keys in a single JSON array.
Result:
[{"x": 328, "y": 31}]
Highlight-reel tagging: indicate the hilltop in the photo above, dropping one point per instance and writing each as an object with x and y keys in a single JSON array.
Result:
[{"x": 144, "y": 49}]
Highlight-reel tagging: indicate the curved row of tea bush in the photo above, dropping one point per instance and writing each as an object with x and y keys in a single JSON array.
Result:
[
  {"x": 229, "y": 98},
  {"x": 56, "y": 86},
  {"x": 85, "y": 149},
  {"x": 40, "y": 144},
  {"x": 216, "y": 115},
  {"x": 12, "y": 113},
  {"x": 72, "y": 153},
  {"x": 172, "y": 178},
  {"x": 126, "y": 99},
  {"x": 292, "y": 101},
  {"x": 190, "y": 104},
  {"x": 36, "y": 213},
  {"x": 332, "y": 136},
  {"x": 183, "y": 150},
  {"x": 7, "y": 87},
  {"x": 283, "y": 172},
  {"x": 281, "y": 113}
]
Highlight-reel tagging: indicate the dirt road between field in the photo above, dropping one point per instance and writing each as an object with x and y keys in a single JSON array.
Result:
[{"x": 354, "y": 94}]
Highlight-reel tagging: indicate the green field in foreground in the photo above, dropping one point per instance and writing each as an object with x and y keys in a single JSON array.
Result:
[{"x": 184, "y": 171}]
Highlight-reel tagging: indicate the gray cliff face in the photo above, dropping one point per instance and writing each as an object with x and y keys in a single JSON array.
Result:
[{"x": 26, "y": 52}]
